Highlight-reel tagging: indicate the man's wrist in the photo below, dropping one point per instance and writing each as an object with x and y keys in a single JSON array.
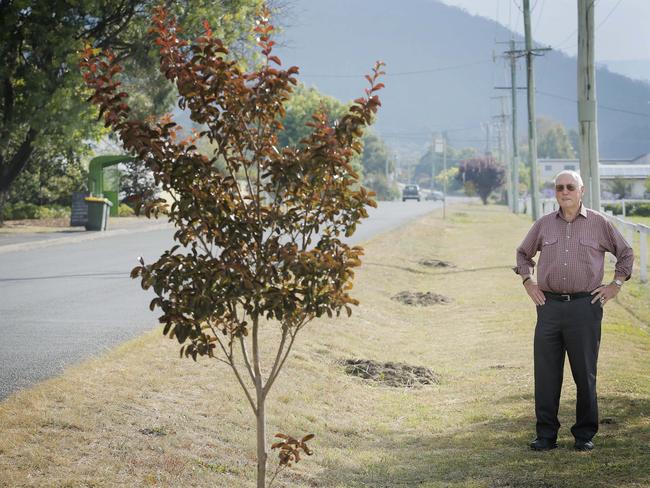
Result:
[
  {"x": 526, "y": 280},
  {"x": 617, "y": 282}
]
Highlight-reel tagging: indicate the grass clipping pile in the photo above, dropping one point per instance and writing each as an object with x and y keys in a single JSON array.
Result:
[
  {"x": 391, "y": 374},
  {"x": 420, "y": 298}
]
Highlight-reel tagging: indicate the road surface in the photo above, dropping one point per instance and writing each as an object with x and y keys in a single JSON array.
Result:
[{"x": 63, "y": 302}]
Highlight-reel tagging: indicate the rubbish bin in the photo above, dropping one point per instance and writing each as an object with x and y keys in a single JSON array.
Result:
[{"x": 98, "y": 209}]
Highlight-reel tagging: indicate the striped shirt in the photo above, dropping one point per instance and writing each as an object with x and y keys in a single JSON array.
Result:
[{"x": 572, "y": 254}]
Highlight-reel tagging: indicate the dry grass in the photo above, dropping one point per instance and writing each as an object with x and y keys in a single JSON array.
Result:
[{"x": 139, "y": 416}]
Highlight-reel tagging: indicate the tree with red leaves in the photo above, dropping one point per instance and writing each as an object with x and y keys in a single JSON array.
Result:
[
  {"x": 260, "y": 250},
  {"x": 484, "y": 173}
]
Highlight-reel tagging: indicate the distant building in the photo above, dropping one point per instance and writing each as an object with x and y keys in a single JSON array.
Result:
[{"x": 632, "y": 171}]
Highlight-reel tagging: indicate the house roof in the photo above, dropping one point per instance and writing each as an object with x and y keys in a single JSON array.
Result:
[{"x": 624, "y": 170}]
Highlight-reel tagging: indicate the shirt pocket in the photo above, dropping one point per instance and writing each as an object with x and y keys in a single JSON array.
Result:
[
  {"x": 549, "y": 246},
  {"x": 590, "y": 247},
  {"x": 590, "y": 254},
  {"x": 547, "y": 256}
]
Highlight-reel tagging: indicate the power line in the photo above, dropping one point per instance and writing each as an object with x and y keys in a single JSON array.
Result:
[
  {"x": 565, "y": 40},
  {"x": 609, "y": 14},
  {"x": 539, "y": 16},
  {"x": 604, "y": 107},
  {"x": 402, "y": 73}
]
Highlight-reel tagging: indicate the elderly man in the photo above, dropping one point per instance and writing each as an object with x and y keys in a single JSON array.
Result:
[{"x": 570, "y": 298}]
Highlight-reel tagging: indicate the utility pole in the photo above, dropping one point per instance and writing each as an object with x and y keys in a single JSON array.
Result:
[
  {"x": 504, "y": 153},
  {"x": 488, "y": 149},
  {"x": 532, "y": 129},
  {"x": 515, "y": 141},
  {"x": 589, "y": 158},
  {"x": 513, "y": 54},
  {"x": 433, "y": 160},
  {"x": 440, "y": 146}
]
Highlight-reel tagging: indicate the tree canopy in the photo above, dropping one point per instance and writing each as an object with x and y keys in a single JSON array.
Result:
[
  {"x": 43, "y": 114},
  {"x": 553, "y": 140}
]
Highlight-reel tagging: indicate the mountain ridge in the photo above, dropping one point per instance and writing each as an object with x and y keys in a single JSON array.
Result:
[{"x": 441, "y": 74}]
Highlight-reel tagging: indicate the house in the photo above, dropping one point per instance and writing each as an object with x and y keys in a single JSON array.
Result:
[{"x": 633, "y": 172}]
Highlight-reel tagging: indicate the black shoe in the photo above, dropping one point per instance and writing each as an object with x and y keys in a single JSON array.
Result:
[
  {"x": 543, "y": 444},
  {"x": 583, "y": 445}
]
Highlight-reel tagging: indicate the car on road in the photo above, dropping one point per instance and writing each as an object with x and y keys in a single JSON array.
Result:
[
  {"x": 411, "y": 192},
  {"x": 434, "y": 195}
]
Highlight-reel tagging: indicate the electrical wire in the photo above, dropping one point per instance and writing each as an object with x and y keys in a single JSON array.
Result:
[
  {"x": 609, "y": 14},
  {"x": 604, "y": 107},
  {"x": 402, "y": 73}
]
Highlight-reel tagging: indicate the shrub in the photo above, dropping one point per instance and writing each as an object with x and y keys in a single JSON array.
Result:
[
  {"x": 125, "y": 211},
  {"x": 53, "y": 212},
  {"x": 640, "y": 209},
  {"x": 615, "y": 208},
  {"x": 21, "y": 211}
]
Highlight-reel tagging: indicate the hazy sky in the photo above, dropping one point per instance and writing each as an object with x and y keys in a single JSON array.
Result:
[{"x": 622, "y": 33}]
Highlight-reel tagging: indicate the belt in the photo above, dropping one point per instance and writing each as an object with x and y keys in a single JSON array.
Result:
[{"x": 566, "y": 297}]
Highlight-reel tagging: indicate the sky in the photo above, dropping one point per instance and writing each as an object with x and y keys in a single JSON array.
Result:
[{"x": 622, "y": 32}]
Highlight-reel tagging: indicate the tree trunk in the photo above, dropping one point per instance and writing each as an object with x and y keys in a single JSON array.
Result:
[
  {"x": 261, "y": 443},
  {"x": 9, "y": 170},
  {"x": 3, "y": 200}
]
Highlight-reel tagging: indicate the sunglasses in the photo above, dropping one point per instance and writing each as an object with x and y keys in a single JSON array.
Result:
[{"x": 569, "y": 187}]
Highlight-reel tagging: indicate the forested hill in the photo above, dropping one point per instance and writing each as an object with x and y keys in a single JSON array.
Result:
[{"x": 441, "y": 74}]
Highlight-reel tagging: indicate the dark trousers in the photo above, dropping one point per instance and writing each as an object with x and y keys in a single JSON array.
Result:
[{"x": 572, "y": 327}]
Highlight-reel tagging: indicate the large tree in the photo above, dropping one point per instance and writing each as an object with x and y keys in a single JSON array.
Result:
[{"x": 42, "y": 109}]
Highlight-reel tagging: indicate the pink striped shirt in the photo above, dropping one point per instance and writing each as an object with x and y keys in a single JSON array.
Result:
[{"x": 572, "y": 254}]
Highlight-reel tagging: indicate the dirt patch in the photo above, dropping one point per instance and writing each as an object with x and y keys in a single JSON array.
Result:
[
  {"x": 420, "y": 298},
  {"x": 436, "y": 263},
  {"x": 391, "y": 374}
]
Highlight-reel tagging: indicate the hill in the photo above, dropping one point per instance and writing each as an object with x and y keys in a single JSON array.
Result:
[{"x": 441, "y": 73}]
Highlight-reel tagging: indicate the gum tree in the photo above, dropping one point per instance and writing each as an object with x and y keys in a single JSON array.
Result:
[{"x": 259, "y": 229}]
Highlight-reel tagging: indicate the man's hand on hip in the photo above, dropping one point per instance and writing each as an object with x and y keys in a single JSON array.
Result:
[
  {"x": 605, "y": 293},
  {"x": 535, "y": 294}
]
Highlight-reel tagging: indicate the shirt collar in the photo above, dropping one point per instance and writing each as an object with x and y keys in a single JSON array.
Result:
[{"x": 582, "y": 211}]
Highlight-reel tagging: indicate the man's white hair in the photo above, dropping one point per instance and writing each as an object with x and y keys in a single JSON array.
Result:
[{"x": 576, "y": 176}]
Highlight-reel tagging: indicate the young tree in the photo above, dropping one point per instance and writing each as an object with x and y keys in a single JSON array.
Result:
[
  {"x": 484, "y": 173},
  {"x": 261, "y": 250}
]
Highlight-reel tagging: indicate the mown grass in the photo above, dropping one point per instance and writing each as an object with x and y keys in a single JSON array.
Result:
[{"x": 86, "y": 427}]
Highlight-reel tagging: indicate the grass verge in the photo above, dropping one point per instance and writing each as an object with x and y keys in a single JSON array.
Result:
[{"x": 139, "y": 416}]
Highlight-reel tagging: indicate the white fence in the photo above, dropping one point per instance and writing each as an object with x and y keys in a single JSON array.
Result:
[{"x": 629, "y": 230}]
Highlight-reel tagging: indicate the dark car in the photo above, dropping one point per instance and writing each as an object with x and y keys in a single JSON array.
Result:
[
  {"x": 434, "y": 195},
  {"x": 411, "y": 192}
]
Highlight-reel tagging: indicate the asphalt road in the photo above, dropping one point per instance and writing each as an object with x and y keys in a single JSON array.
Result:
[{"x": 64, "y": 302}]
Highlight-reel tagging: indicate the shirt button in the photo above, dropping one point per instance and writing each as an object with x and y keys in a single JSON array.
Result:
[
  {"x": 564, "y": 278},
  {"x": 565, "y": 264},
  {"x": 568, "y": 237},
  {"x": 566, "y": 250}
]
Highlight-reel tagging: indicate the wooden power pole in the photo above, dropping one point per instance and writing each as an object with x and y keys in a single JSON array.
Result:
[
  {"x": 589, "y": 158},
  {"x": 532, "y": 129}
]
